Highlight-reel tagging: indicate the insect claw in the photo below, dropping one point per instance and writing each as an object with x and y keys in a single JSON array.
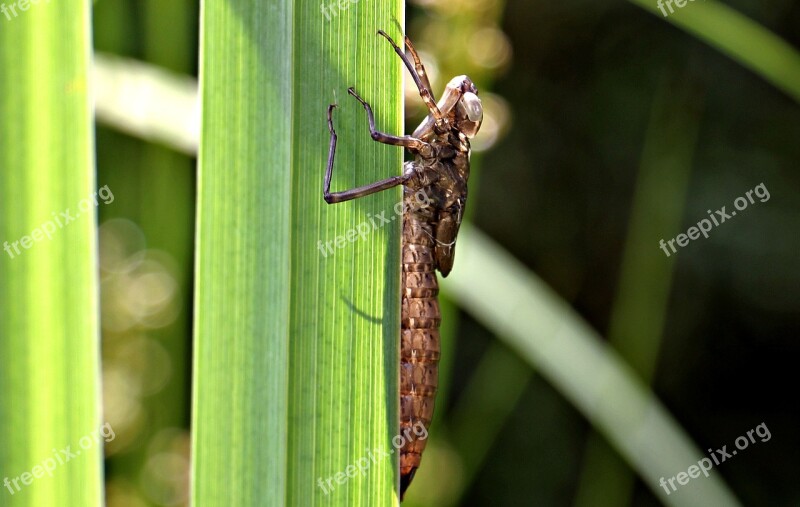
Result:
[
  {"x": 352, "y": 91},
  {"x": 391, "y": 41},
  {"x": 331, "y": 107}
]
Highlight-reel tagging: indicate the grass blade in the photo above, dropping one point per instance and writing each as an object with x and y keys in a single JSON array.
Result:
[{"x": 49, "y": 381}]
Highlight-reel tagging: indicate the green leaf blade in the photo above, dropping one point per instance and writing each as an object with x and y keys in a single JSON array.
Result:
[
  {"x": 296, "y": 349},
  {"x": 49, "y": 333}
]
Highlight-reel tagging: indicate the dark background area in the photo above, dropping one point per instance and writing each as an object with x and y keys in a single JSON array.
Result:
[{"x": 557, "y": 193}]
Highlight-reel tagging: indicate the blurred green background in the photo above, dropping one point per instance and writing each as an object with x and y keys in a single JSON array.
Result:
[{"x": 607, "y": 128}]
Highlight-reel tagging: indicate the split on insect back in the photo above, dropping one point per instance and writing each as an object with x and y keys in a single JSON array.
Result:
[{"x": 440, "y": 170}]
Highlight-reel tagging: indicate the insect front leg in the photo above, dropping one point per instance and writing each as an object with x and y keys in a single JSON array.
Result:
[
  {"x": 354, "y": 193},
  {"x": 409, "y": 142},
  {"x": 418, "y": 67},
  {"x": 423, "y": 76},
  {"x": 423, "y": 87},
  {"x": 452, "y": 94}
]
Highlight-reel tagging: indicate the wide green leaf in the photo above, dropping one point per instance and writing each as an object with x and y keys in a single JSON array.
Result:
[{"x": 297, "y": 319}]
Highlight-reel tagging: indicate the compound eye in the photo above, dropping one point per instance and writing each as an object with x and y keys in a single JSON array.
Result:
[{"x": 472, "y": 106}]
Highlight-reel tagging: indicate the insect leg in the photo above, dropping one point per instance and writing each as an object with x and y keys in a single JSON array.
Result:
[
  {"x": 346, "y": 195},
  {"x": 412, "y": 143},
  {"x": 423, "y": 76},
  {"x": 424, "y": 91},
  {"x": 450, "y": 97}
]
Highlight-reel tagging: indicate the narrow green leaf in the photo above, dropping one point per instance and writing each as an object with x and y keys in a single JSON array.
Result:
[
  {"x": 742, "y": 39},
  {"x": 51, "y": 450},
  {"x": 296, "y": 341}
]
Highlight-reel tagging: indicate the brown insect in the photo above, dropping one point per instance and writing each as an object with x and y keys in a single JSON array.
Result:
[{"x": 440, "y": 170}]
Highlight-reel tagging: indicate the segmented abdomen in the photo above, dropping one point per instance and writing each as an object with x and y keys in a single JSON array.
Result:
[{"x": 419, "y": 353}]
